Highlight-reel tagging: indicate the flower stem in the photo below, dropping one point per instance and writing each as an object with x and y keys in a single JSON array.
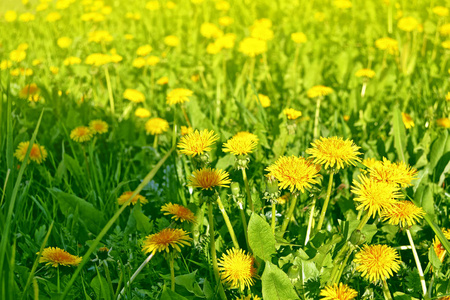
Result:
[
  {"x": 135, "y": 275},
  {"x": 212, "y": 247},
  {"x": 244, "y": 224},
  {"x": 247, "y": 189},
  {"x": 108, "y": 277},
  {"x": 325, "y": 204},
  {"x": 86, "y": 161},
  {"x": 342, "y": 266},
  {"x": 58, "y": 284},
  {"x": 363, "y": 222},
  {"x": 316, "y": 118},
  {"x": 172, "y": 274},
  {"x": 274, "y": 211},
  {"x": 228, "y": 223},
  {"x": 110, "y": 93},
  {"x": 310, "y": 222},
  {"x": 386, "y": 292},
  {"x": 186, "y": 116},
  {"x": 290, "y": 213},
  {"x": 155, "y": 142},
  {"x": 416, "y": 258}
]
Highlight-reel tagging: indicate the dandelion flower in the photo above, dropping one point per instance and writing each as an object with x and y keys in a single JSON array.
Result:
[
  {"x": 388, "y": 44},
  {"x": 408, "y": 24},
  {"x": 28, "y": 91},
  {"x": 171, "y": 41},
  {"x": 369, "y": 162},
  {"x": 226, "y": 21},
  {"x": 375, "y": 196},
  {"x": 237, "y": 269},
  {"x": 144, "y": 50},
  {"x": 319, "y": 91},
  {"x": 263, "y": 99},
  {"x": 342, "y": 4},
  {"x": 403, "y": 213},
  {"x": 334, "y": 152},
  {"x": 142, "y": 113},
  {"x": 247, "y": 135},
  {"x": 72, "y": 60},
  {"x": 134, "y": 95},
  {"x": 81, "y": 134},
  {"x": 207, "y": 178},
  {"x": 438, "y": 247},
  {"x": 10, "y": 16},
  {"x": 292, "y": 114},
  {"x": 166, "y": 240},
  {"x": 64, "y": 42},
  {"x": 54, "y": 256},
  {"x": 338, "y": 292},
  {"x": 377, "y": 262},
  {"x": 126, "y": 195},
  {"x": 444, "y": 122},
  {"x": 367, "y": 73},
  {"x": 441, "y": 11},
  {"x": 178, "y": 96},
  {"x": 397, "y": 173},
  {"x": 293, "y": 173},
  {"x": 197, "y": 142},
  {"x": 179, "y": 212},
  {"x": 299, "y": 38},
  {"x": 98, "y": 126},
  {"x": 156, "y": 126},
  {"x": 252, "y": 47},
  {"x": 240, "y": 145},
  {"x": 163, "y": 80},
  {"x": 407, "y": 120},
  {"x": 186, "y": 130},
  {"x": 38, "y": 153}
]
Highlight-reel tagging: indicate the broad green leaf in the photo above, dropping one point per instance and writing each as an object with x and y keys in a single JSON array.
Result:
[
  {"x": 260, "y": 237},
  {"x": 168, "y": 294},
  {"x": 100, "y": 287},
  {"x": 189, "y": 282},
  {"x": 437, "y": 150},
  {"x": 69, "y": 204},
  {"x": 276, "y": 284}
]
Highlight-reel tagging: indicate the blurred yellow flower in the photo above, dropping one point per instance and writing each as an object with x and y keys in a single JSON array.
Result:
[
  {"x": 441, "y": 11},
  {"x": 142, "y": 113},
  {"x": 126, "y": 196},
  {"x": 152, "y": 60},
  {"x": 98, "y": 126},
  {"x": 262, "y": 33},
  {"x": 163, "y": 80},
  {"x": 139, "y": 62},
  {"x": 171, "y": 41},
  {"x": 186, "y": 130},
  {"x": 53, "y": 17},
  {"x": 98, "y": 59},
  {"x": 407, "y": 120},
  {"x": 210, "y": 30},
  {"x": 17, "y": 55},
  {"x": 153, "y": 5},
  {"x": 128, "y": 37},
  {"x": 388, "y": 44},
  {"x": 342, "y": 4},
  {"x": 81, "y": 134},
  {"x": 10, "y": 16},
  {"x": 292, "y": 114},
  {"x": 298, "y": 37},
  {"x": 72, "y": 60},
  {"x": 26, "y": 17},
  {"x": 100, "y": 36},
  {"x": 319, "y": 91},
  {"x": 156, "y": 126},
  {"x": 226, "y": 21},
  {"x": 133, "y": 16},
  {"x": 54, "y": 70},
  {"x": 252, "y": 46},
  {"x": 263, "y": 99},
  {"x": 64, "y": 42},
  {"x": 443, "y": 122},
  {"x": 179, "y": 95},
  {"x": 223, "y": 5},
  {"x": 445, "y": 29},
  {"x": 408, "y": 24},
  {"x": 368, "y": 73},
  {"x": 38, "y": 154},
  {"x": 144, "y": 50},
  {"x": 133, "y": 95},
  {"x": 5, "y": 64}
]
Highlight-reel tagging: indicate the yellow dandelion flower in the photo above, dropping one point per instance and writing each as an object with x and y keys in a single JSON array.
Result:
[
  {"x": 407, "y": 120},
  {"x": 134, "y": 95},
  {"x": 54, "y": 256},
  {"x": 186, "y": 130},
  {"x": 197, "y": 142},
  {"x": 388, "y": 44},
  {"x": 226, "y": 21},
  {"x": 153, "y": 5},
  {"x": 377, "y": 262},
  {"x": 240, "y": 145},
  {"x": 443, "y": 122},
  {"x": 72, "y": 60},
  {"x": 396, "y": 173},
  {"x": 207, "y": 178},
  {"x": 299, "y": 37},
  {"x": 293, "y": 173},
  {"x": 142, "y": 113},
  {"x": 375, "y": 196},
  {"x": 438, "y": 247},
  {"x": 252, "y": 47},
  {"x": 17, "y": 55},
  {"x": 166, "y": 240},
  {"x": 292, "y": 114},
  {"x": 156, "y": 126},
  {"x": 338, "y": 292},
  {"x": 98, "y": 126},
  {"x": 171, "y": 41},
  {"x": 367, "y": 73},
  {"x": 263, "y": 99},
  {"x": 64, "y": 42},
  {"x": 446, "y": 44},
  {"x": 163, "y": 80},
  {"x": 342, "y": 4},
  {"x": 144, "y": 50},
  {"x": 210, "y": 30},
  {"x": 5, "y": 64},
  {"x": 408, "y": 24},
  {"x": 26, "y": 17},
  {"x": 178, "y": 96},
  {"x": 126, "y": 195},
  {"x": 403, "y": 213},
  {"x": 334, "y": 152},
  {"x": 38, "y": 153},
  {"x": 247, "y": 135},
  {"x": 447, "y": 97},
  {"x": 369, "y": 162},
  {"x": 128, "y": 36},
  {"x": 29, "y": 90},
  {"x": 249, "y": 297},
  {"x": 179, "y": 212},
  {"x": 441, "y": 11},
  {"x": 319, "y": 91},
  {"x": 262, "y": 33},
  {"x": 54, "y": 70},
  {"x": 152, "y": 60},
  {"x": 237, "y": 269},
  {"x": 10, "y": 16},
  {"x": 53, "y": 17},
  {"x": 101, "y": 36},
  {"x": 81, "y": 134}
]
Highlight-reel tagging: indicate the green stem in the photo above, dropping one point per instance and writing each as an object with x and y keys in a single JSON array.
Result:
[
  {"x": 274, "y": 210},
  {"x": 310, "y": 222},
  {"x": 108, "y": 277},
  {"x": 386, "y": 292},
  {"x": 186, "y": 116},
  {"x": 228, "y": 223},
  {"x": 325, "y": 204},
  {"x": 212, "y": 247},
  {"x": 244, "y": 224},
  {"x": 247, "y": 190},
  {"x": 58, "y": 284},
  {"x": 86, "y": 161},
  {"x": 135, "y": 274},
  {"x": 172, "y": 274},
  {"x": 416, "y": 258},
  {"x": 342, "y": 266},
  {"x": 337, "y": 263},
  {"x": 316, "y": 118},
  {"x": 110, "y": 93},
  {"x": 290, "y": 213},
  {"x": 363, "y": 222},
  {"x": 155, "y": 142}
]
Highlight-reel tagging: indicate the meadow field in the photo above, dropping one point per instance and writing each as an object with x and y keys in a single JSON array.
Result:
[{"x": 225, "y": 149}]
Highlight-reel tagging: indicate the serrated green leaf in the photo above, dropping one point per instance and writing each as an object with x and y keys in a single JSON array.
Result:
[
  {"x": 260, "y": 237},
  {"x": 276, "y": 284}
]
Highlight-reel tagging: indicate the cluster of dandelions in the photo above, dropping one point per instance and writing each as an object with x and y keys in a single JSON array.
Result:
[{"x": 82, "y": 134}]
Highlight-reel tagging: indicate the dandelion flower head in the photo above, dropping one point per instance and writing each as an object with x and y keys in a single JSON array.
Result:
[
  {"x": 197, "y": 142},
  {"x": 54, "y": 256},
  {"x": 338, "y": 292},
  {"x": 377, "y": 262},
  {"x": 126, "y": 195},
  {"x": 207, "y": 179},
  {"x": 178, "y": 212},
  {"x": 237, "y": 269},
  {"x": 38, "y": 153},
  {"x": 166, "y": 240}
]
